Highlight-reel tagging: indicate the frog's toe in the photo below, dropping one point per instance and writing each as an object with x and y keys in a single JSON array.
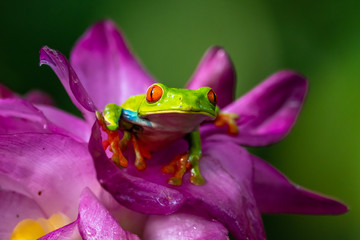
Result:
[
  {"x": 140, "y": 164},
  {"x": 197, "y": 179},
  {"x": 176, "y": 181},
  {"x": 120, "y": 161}
]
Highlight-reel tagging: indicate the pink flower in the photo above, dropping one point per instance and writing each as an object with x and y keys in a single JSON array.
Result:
[
  {"x": 44, "y": 167},
  {"x": 239, "y": 186}
]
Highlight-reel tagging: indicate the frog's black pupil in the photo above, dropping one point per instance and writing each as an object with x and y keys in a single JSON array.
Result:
[
  {"x": 151, "y": 93},
  {"x": 214, "y": 98}
]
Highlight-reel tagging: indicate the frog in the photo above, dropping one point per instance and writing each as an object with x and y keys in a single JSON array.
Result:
[{"x": 159, "y": 117}]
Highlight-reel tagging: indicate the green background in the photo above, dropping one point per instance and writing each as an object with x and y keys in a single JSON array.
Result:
[{"x": 320, "y": 39}]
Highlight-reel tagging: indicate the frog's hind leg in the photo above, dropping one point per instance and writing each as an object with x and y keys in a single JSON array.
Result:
[
  {"x": 186, "y": 161},
  {"x": 228, "y": 120},
  {"x": 117, "y": 156},
  {"x": 140, "y": 154},
  {"x": 124, "y": 142}
]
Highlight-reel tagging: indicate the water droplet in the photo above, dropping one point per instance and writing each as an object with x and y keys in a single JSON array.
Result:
[{"x": 90, "y": 231}]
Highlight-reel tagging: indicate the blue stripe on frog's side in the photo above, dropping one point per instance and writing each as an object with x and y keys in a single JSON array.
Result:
[{"x": 132, "y": 116}]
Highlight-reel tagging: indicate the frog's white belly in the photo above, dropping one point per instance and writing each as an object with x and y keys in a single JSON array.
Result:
[{"x": 160, "y": 130}]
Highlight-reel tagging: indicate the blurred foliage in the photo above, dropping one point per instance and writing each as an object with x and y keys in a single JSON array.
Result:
[{"x": 320, "y": 39}]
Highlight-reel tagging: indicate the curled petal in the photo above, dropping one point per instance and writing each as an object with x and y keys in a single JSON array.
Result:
[
  {"x": 38, "y": 160},
  {"x": 268, "y": 112},
  {"x": 15, "y": 207},
  {"x": 274, "y": 193},
  {"x": 68, "y": 232},
  {"x": 95, "y": 222},
  {"x": 68, "y": 78},
  {"x": 216, "y": 70},
  {"x": 107, "y": 68},
  {"x": 183, "y": 226},
  {"x": 133, "y": 192}
]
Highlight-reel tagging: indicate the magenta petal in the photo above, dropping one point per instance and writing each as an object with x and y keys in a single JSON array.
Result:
[
  {"x": 132, "y": 192},
  {"x": 46, "y": 165},
  {"x": 39, "y": 97},
  {"x": 274, "y": 193},
  {"x": 17, "y": 116},
  {"x": 68, "y": 78},
  {"x": 105, "y": 65},
  {"x": 227, "y": 195},
  {"x": 15, "y": 207},
  {"x": 20, "y": 116},
  {"x": 95, "y": 222},
  {"x": 216, "y": 70},
  {"x": 6, "y": 93},
  {"x": 72, "y": 124},
  {"x": 268, "y": 112},
  {"x": 183, "y": 226}
]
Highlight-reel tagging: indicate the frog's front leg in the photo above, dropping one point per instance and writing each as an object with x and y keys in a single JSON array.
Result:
[
  {"x": 187, "y": 161},
  {"x": 109, "y": 122}
]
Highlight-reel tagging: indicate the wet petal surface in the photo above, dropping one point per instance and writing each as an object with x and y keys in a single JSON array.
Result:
[
  {"x": 94, "y": 222},
  {"x": 182, "y": 226}
]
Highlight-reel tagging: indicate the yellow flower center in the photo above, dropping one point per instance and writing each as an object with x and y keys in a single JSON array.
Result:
[{"x": 30, "y": 229}]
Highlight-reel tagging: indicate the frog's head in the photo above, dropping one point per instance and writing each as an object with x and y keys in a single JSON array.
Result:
[{"x": 165, "y": 101}]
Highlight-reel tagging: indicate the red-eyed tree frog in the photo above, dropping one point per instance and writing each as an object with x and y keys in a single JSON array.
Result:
[{"x": 163, "y": 115}]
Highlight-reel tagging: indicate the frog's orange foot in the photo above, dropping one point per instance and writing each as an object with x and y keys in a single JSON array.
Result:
[
  {"x": 228, "y": 119},
  {"x": 178, "y": 166}
]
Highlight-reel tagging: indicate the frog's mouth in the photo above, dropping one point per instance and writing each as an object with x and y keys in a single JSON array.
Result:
[
  {"x": 184, "y": 112},
  {"x": 177, "y": 121}
]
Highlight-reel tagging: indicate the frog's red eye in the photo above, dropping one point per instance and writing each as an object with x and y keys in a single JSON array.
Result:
[
  {"x": 212, "y": 97},
  {"x": 154, "y": 93}
]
